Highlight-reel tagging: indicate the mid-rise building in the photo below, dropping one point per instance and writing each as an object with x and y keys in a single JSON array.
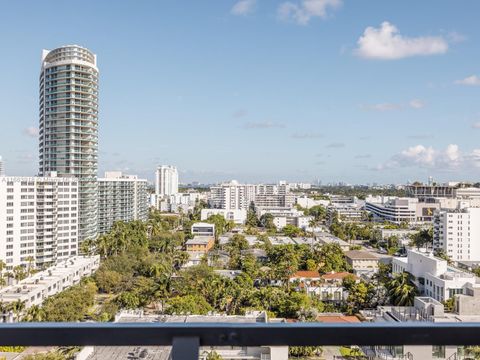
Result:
[
  {"x": 166, "y": 180},
  {"x": 38, "y": 220},
  {"x": 400, "y": 210},
  {"x": 231, "y": 196},
  {"x": 121, "y": 198},
  {"x": 433, "y": 276},
  {"x": 457, "y": 233},
  {"x": 68, "y": 131},
  {"x": 236, "y": 196}
]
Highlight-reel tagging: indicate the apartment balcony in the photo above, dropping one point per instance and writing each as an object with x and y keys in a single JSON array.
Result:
[{"x": 185, "y": 339}]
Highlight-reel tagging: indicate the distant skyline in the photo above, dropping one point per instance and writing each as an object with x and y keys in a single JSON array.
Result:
[{"x": 257, "y": 90}]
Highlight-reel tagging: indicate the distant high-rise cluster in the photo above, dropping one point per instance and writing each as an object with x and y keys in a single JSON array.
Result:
[{"x": 69, "y": 124}]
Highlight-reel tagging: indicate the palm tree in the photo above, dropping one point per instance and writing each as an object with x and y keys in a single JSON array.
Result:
[
  {"x": 17, "y": 308},
  {"x": 402, "y": 289},
  {"x": 30, "y": 260},
  {"x": 34, "y": 314}
]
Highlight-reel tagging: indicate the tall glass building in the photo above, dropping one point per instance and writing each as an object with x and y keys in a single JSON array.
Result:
[{"x": 69, "y": 125}]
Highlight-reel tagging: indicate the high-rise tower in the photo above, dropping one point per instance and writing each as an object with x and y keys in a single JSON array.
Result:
[
  {"x": 2, "y": 169},
  {"x": 166, "y": 180},
  {"x": 69, "y": 125}
]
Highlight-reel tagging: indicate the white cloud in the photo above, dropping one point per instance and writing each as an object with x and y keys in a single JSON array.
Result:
[
  {"x": 382, "y": 107},
  {"x": 240, "y": 113},
  {"x": 421, "y": 156},
  {"x": 243, "y": 7},
  {"x": 263, "y": 125},
  {"x": 31, "y": 131},
  {"x": 303, "y": 12},
  {"x": 416, "y": 104},
  {"x": 473, "y": 80},
  {"x": 306, "y": 136},
  {"x": 386, "y": 43},
  {"x": 336, "y": 145}
]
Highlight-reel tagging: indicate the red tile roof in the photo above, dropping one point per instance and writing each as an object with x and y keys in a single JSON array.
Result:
[
  {"x": 337, "y": 319},
  {"x": 339, "y": 276},
  {"x": 306, "y": 274}
]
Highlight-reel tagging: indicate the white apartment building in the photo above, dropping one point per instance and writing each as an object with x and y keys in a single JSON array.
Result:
[
  {"x": 237, "y": 216},
  {"x": 286, "y": 216},
  {"x": 121, "y": 198},
  {"x": 38, "y": 219},
  {"x": 2, "y": 167},
  {"x": 348, "y": 212},
  {"x": 235, "y": 196},
  {"x": 166, "y": 180},
  {"x": 398, "y": 210},
  {"x": 38, "y": 287},
  {"x": 457, "y": 232},
  {"x": 434, "y": 277},
  {"x": 231, "y": 196},
  {"x": 307, "y": 202}
]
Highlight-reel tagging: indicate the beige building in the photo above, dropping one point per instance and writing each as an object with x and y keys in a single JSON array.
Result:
[{"x": 362, "y": 261}]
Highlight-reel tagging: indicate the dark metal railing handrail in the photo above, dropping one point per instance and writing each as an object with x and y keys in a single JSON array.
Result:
[{"x": 187, "y": 337}]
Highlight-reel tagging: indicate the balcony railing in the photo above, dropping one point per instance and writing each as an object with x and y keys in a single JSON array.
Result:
[{"x": 186, "y": 338}]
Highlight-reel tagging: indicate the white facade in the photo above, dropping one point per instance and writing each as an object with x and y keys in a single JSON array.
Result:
[
  {"x": 236, "y": 196},
  {"x": 68, "y": 129},
  {"x": 38, "y": 287},
  {"x": 121, "y": 198},
  {"x": 433, "y": 275},
  {"x": 237, "y": 216},
  {"x": 203, "y": 229},
  {"x": 398, "y": 210},
  {"x": 307, "y": 203},
  {"x": 166, "y": 180},
  {"x": 38, "y": 219},
  {"x": 2, "y": 167},
  {"x": 457, "y": 232}
]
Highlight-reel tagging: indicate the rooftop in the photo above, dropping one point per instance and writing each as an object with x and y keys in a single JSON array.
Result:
[{"x": 360, "y": 255}]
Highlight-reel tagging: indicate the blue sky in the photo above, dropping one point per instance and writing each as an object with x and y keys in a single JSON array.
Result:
[{"x": 336, "y": 90}]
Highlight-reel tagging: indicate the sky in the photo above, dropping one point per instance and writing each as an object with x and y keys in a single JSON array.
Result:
[{"x": 336, "y": 90}]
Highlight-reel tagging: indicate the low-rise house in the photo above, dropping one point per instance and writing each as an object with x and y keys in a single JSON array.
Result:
[
  {"x": 231, "y": 274},
  {"x": 305, "y": 277},
  {"x": 324, "y": 238},
  {"x": 327, "y": 287},
  {"x": 281, "y": 240},
  {"x": 259, "y": 254},
  {"x": 362, "y": 262},
  {"x": 200, "y": 244}
]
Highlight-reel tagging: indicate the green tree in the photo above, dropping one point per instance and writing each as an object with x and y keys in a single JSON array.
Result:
[
  {"x": 331, "y": 258},
  {"x": 188, "y": 304},
  {"x": 252, "y": 217},
  {"x": 292, "y": 231},
  {"x": 401, "y": 289}
]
